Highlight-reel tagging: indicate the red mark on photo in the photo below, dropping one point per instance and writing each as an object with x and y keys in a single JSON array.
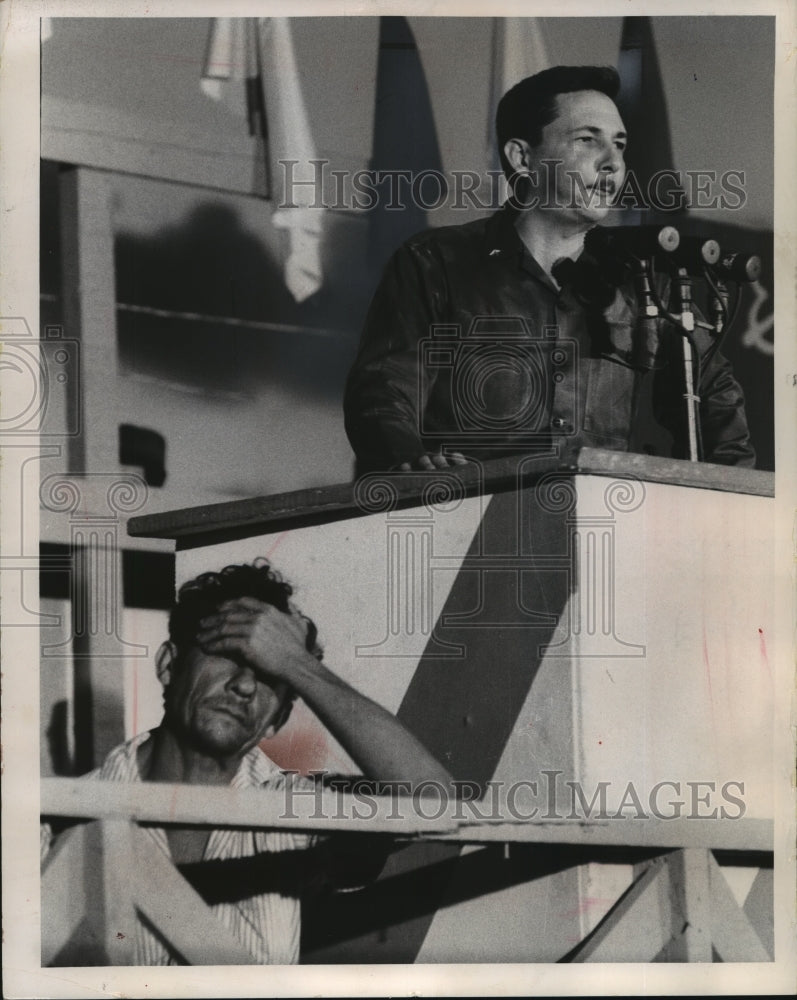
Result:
[
  {"x": 762, "y": 645},
  {"x": 707, "y": 664},
  {"x": 276, "y": 544}
]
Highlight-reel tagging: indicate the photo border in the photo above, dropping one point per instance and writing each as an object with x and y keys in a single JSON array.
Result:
[{"x": 19, "y": 269}]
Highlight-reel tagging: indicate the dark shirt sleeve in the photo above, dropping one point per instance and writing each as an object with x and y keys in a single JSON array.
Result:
[
  {"x": 723, "y": 423},
  {"x": 725, "y": 437},
  {"x": 385, "y": 393}
]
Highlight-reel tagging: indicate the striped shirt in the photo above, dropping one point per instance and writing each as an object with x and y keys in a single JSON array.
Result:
[{"x": 267, "y": 925}]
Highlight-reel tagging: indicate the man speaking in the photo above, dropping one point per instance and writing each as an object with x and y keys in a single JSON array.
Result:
[{"x": 508, "y": 335}]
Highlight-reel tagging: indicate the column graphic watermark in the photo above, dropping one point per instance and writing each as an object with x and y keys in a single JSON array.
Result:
[
  {"x": 585, "y": 562},
  {"x": 95, "y": 504}
]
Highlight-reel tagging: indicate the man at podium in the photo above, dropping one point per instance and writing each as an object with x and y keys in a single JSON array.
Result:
[{"x": 522, "y": 333}]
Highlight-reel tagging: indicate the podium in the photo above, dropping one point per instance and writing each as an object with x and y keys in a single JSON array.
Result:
[{"x": 583, "y": 644}]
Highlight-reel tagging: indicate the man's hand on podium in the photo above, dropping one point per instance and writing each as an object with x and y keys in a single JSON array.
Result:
[{"x": 430, "y": 461}]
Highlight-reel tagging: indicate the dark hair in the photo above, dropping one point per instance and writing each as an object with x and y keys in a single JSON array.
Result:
[
  {"x": 202, "y": 596},
  {"x": 525, "y": 110}
]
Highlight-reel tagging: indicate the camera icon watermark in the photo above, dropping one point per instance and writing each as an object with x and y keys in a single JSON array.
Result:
[
  {"x": 41, "y": 381},
  {"x": 497, "y": 382}
]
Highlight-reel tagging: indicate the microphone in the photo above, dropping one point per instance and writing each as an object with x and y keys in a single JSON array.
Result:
[
  {"x": 694, "y": 252},
  {"x": 632, "y": 241},
  {"x": 740, "y": 267}
]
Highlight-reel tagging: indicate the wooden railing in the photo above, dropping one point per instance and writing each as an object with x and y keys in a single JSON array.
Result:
[{"x": 100, "y": 874}]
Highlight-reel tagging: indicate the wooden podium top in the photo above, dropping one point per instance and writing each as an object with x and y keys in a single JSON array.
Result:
[{"x": 192, "y": 526}]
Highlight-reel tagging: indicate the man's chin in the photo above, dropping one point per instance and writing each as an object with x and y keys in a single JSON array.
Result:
[
  {"x": 597, "y": 213},
  {"x": 585, "y": 216},
  {"x": 225, "y": 738}
]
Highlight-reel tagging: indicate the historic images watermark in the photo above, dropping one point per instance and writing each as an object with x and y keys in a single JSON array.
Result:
[
  {"x": 588, "y": 551},
  {"x": 501, "y": 376},
  {"x": 318, "y": 184},
  {"x": 545, "y": 799},
  {"x": 42, "y": 419},
  {"x": 517, "y": 389},
  {"x": 41, "y": 376}
]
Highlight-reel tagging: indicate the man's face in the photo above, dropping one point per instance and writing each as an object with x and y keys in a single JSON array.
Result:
[
  {"x": 220, "y": 707},
  {"x": 587, "y": 142}
]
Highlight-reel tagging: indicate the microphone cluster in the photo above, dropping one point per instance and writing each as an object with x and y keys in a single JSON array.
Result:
[
  {"x": 627, "y": 245},
  {"x": 612, "y": 252}
]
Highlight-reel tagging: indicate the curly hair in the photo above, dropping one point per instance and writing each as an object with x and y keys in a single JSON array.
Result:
[
  {"x": 202, "y": 596},
  {"x": 525, "y": 109}
]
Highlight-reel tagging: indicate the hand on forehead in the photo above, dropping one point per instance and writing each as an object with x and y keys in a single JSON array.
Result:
[{"x": 256, "y": 634}]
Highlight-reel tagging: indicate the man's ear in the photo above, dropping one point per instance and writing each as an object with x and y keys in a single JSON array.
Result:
[
  {"x": 165, "y": 659},
  {"x": 517, "y": 153}
]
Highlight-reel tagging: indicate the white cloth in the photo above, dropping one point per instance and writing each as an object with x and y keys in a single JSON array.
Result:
[
  {"x": 252, "y": 48},
  {"x": 267, "y": 925},
  {"x": 519, "y": 50}
]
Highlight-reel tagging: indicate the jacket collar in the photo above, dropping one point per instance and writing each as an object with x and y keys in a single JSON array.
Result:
[
  {"x": 502, "y": 240},
  {"x": 501, "y": 237},
  {"x": 625, "y": 339}
]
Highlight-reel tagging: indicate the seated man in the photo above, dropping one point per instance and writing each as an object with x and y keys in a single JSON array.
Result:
[
  {"x": 238, "y": 654},
  {"x": 505, "y": 336}
]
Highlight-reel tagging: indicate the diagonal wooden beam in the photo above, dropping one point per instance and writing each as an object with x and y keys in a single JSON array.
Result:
[
  {"x": 64, "y": 901},
  {"x": 93, "y": 881},
  {"x": 680, "y": 909},
  {"x": 639, "y": 924},
  {"x": 759, "y": 908},
  {"x": 87, "y": 909},
  {"x": 665, "y": 915},
  {"x": 177, "y": 911},
  {"x": 732, "y": 934}
]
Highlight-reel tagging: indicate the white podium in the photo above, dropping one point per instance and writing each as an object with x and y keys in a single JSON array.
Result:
[{"x": 589, "y": 640}]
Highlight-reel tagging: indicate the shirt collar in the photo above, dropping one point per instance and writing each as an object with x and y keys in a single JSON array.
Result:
[
  {"x": 254, "y": 770},
  {"x": 501, "y": 237},
  {"x": 502, "y": 241}
]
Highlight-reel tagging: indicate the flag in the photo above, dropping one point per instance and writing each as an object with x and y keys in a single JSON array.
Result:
[
  {"x": 404, "y": 140},
  {"x": 251, "y": 66},
  {"x": 643, "y": 106},
  {"x": 519, "y": 50}
]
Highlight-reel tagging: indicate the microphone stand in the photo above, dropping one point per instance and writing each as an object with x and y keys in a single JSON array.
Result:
[
  {"x": 652, "y": 309},
  {"x": 687, "y": 324},
  {"x": 706, "y": 254}
]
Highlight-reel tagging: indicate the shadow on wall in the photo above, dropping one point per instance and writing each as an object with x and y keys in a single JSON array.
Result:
[
  {"x": 212, "y": 266},
  {"x": 61, "y": 762}
]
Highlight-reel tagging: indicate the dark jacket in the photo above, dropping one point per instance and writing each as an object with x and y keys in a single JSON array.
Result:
[{"x": 469, "y": 346}]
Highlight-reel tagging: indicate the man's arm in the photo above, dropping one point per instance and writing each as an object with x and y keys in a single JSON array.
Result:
[
  {"x": 724, "y": 433},
  {"x": 272, "y": 643},
  {"x": 723, "y": 422},
  {"x": 385, "y": 394}
]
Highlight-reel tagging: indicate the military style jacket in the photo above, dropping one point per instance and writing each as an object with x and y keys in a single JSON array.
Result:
[{"x": 469, "y": 346}]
